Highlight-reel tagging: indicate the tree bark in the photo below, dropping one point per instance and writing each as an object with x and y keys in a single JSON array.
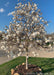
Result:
[{"x": 26, "y": 61}]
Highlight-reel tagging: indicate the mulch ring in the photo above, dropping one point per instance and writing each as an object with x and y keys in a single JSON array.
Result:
[{"x": 21, "y": 70}]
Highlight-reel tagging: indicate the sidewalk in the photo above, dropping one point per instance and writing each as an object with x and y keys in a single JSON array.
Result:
[{"x": 4, "y": 59}]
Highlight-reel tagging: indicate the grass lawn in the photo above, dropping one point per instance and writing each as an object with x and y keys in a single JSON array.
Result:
[{"x": 47, "y": 64}]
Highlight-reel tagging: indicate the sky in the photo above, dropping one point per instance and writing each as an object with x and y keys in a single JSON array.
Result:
[{"x": 46, "y": 6}]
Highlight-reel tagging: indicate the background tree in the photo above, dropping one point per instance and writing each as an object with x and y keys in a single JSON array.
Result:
[
  {"x": 0, "y": 35},
  {"x": 28, "y": 27}
]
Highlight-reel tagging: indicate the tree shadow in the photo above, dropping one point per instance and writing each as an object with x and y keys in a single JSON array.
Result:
[{"x": 48, "y": 70}]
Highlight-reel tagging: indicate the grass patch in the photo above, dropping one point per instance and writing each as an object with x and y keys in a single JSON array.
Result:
[{"x": 47, "y": 64}]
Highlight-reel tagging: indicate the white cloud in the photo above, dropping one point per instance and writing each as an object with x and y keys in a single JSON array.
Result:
[
  {"x": 1, "y": 10},
  {"x": 7, "y": 4},
  {"x": 10, "y": 13}
]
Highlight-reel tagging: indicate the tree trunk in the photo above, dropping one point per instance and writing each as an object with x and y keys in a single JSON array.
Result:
[{"x": 26, "y": 61}]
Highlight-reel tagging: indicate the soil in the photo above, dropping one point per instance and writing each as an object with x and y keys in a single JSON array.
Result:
[{"x": 21, "y": 70}]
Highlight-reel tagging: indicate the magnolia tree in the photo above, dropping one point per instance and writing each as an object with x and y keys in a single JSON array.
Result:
[{"x": 28, "y": 27}]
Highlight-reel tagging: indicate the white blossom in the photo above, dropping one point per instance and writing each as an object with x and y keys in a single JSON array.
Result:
[
  {"x": 14, "y": 56},
  {"x": 8, "y": 56},
  {"x": 2, "y": 47}
]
